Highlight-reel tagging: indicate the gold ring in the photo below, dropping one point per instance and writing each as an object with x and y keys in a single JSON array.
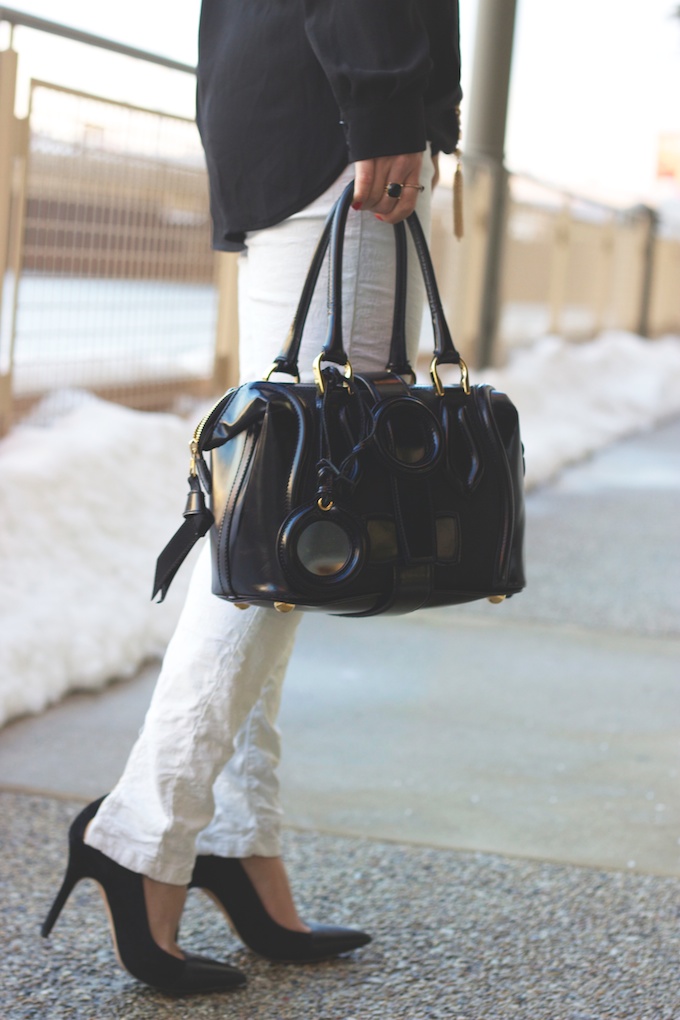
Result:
[{"x": 394, "y": 189}]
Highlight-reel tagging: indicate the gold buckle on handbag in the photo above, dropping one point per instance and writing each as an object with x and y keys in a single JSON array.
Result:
[
  {"x": 464, "y": 376},
  {"x": 318, "y": 377}
]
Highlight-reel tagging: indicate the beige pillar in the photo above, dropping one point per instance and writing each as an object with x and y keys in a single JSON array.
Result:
[
  {"x": 559, "y": 268},
  {"x": 604, "y": 274},
  {"x": 487, "y": 106},
  {"x": 485, "y": 141},
  {"x": 468, "y": 280},
  {"x": 644, "y": 319}
]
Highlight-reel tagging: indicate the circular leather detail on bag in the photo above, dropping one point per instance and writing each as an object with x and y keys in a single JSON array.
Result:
[
  {"x": 408, "y": 435},
  {"x": 321, "y": 548}
]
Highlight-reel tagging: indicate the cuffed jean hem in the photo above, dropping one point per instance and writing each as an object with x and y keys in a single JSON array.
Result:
[
  {"x": 256, "y": 845},
  {"x": 168, "y": 864},
  {"x": 164, "y": 866}
]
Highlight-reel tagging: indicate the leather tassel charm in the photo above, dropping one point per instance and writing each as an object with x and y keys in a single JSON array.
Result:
[
  {"x": 198, "y": 520},
  {"x": 458, "y": 225}
]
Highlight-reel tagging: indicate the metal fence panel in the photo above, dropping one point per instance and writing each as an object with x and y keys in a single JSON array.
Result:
[
  {"x": 117, "y": 289},
  {"x": 112, "y": 285}
]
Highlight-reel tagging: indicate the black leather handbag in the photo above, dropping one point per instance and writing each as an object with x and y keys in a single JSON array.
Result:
[{"x": 358, "y": 494}]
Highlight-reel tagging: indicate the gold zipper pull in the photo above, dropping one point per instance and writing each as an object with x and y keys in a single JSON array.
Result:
[{"x": 193, "y": 446}]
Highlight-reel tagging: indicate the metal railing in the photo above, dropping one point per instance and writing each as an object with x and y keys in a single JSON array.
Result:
[
  {"x": 21, "y": 19},
  {"x": 109, "y": 281},
  {"x": 571, "y": 266},
  {"x": 117, "y": 289}
]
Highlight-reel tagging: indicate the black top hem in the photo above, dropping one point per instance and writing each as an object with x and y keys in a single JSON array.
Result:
[{"x": 236, "y": 240}]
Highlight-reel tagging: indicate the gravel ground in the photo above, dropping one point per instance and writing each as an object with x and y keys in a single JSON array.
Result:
[{"x": 461, "y": 936}]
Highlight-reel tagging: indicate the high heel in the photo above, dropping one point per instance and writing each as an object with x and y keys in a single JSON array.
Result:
[
  {"x": 226, "y": 881},
  {"x": 135, "y": 947}
]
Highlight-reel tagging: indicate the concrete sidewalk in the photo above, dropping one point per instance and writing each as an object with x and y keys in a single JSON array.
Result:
[{"x": 543, "y": 732}]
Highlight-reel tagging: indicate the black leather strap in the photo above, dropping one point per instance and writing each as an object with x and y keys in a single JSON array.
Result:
[
  {"x": 333, "y": 349},
  {"x": 399, "y": 363},
  {"x": 333, "y": 237},
  {"x": 287, "y": 360},
  {"x": 444, "y": 349},
  {"x": 198, "y": 520}
]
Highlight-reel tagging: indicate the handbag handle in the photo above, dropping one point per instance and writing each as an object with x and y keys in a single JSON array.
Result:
[{"x": 333, "y": 349}]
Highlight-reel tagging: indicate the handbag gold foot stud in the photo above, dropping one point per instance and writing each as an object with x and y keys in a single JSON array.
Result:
[
  {"x": 495, "y": 599},
  {"x": 242, "y": 605},
  {"x": 284, "y": 607}
]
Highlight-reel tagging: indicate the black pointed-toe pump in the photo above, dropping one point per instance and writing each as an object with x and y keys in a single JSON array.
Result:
[
  {"x": 135, "y": 947},
  {"x": 227, "y": 883}
]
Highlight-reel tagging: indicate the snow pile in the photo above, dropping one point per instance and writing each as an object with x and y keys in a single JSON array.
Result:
[
  {"x": 87, "y": 503},
  {"x": 573, "y": 399}
]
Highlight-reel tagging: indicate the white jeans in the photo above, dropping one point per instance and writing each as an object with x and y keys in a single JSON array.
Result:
[{"x": 201, "y": 777}]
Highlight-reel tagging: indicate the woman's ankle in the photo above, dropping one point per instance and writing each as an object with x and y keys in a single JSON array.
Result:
[
  {"x": 164, "y": 906},
  {"x": 268, "y": 875}
]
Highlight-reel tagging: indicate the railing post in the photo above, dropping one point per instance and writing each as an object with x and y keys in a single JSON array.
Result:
[
  {"x": 559, "y": 268},
  {"x": 603, "y": 290},
  {"x": 8, "y": 77},
  {"x": 631, "y": 240},
  {"x": 652, "y": 217},
  {"x": 226, "y": 367}
]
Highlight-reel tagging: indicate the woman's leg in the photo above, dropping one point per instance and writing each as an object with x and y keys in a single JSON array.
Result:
[
  {"x": 219, "y": 687},
  {"x": 213, "y": 673},
  {"x": 247, "y": 813}
]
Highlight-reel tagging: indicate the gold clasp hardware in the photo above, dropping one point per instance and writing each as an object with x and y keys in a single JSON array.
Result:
[
  {"x": 284, "y": 607},
  {"x": 325, "y": 506},
  {"x": 318, "y": 377},
  {"x": 464, "y": 376},
  {"x": 193, "y": 446},
  {"x": 277, "y": 368},
  {"x": 496, "y": 599}
]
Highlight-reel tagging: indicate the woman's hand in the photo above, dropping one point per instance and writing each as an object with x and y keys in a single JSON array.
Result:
[{"x": 371, "y": 177}]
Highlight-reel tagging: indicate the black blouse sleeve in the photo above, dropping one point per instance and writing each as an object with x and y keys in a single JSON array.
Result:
[{"x": 376, "y": 56}]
